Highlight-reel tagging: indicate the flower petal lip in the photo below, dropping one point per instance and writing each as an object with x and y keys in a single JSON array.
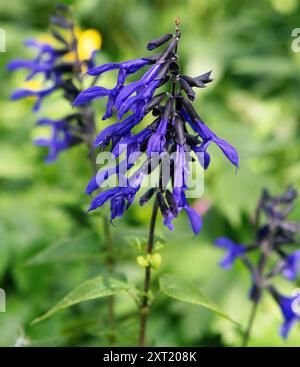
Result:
[
  {"x": 90, "y": 94},
  {"x": 194, "y": 218},
  {"x": 207, "y": 135},
  {"x": 21, "y": 93},
  {"x": 130, "y": 66},
  {"x": 92, "y": 186},
  {"x": 292, "y": 266},
  {"x": 286, "y": 306},
  {"x": 19, "y": 64},
  {"x": 234, "y": 250}
]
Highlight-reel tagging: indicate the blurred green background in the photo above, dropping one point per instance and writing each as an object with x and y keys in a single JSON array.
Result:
[{"x": 253, "y": 103}]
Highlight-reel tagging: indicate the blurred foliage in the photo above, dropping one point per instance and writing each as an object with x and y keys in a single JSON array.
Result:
[{"x": 49, "y": 245}]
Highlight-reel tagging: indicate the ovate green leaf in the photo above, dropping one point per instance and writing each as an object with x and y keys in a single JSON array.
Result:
[
  {"x": 189, "y": 292},
  {"x": 94, "y": 288}
]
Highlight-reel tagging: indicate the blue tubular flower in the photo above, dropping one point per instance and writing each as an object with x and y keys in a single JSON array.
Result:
[
  {"x": 132, "y": 143},
  {"x": 181, "y": 169},
  {"x": 234, "y": 250},
  {"x": 292, "y": 266},
  {"x": 125, "y": 68},
  {"x": 115, "y": 132},
  {"x": 43, "y": 63},
  {"x": 90, "y": 94},
  {"x": 194, "y": 217},
  {"x": 22, "y": 93},
  {"x": 157, "y": 141},
  {"x": 207, "y": 135},
  {"x": 205, "y": 159},
  {"x": 46, "y": 63},
  {"x": 143, "y": 89},
  {"x": 119, "y": 97},
  {"x": 62, "y": 137},
  {"x": 167, "y": 133},
  {"x": 171, "y": 205},
  {"x": 288, "y": 306},
  {"x": 103, "y": 175},
  {"x": 120, "y": 197}
]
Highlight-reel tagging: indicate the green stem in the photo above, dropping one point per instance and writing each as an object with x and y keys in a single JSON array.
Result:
[
  {"x": 110, "y": 267},
  {"x": 250, "y": 324},
  {"x": 144, "y": 307},
  {"x": 265, "y": 246}
]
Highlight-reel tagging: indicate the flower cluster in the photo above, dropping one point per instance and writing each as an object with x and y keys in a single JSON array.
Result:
[
  {"x": 165, "y": 94},
  {"x": 60, "y": 60},
  {"x": 276, "y": 236}
]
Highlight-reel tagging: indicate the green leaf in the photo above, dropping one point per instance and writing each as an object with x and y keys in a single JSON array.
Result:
[
  {"x": 189, "y": 292},
  {"x": 93, "y": 288},
  {"x": 83, "y": 246}
]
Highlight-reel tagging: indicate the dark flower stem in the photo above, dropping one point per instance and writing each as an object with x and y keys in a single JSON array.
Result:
[
  {"x": 266, "y": 249},
  {"x": 144, "y": 307},
  {"x": 250, "y": 324},
  {"x": 261, "y": 265}
]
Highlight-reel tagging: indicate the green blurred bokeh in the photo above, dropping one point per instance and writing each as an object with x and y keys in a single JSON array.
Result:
[{"x": 253, "y": 103}]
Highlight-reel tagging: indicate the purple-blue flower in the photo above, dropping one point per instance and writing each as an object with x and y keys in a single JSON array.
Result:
[
  {"x": 178, "y": 202},
  {"x": 60, "y": 64},
  {"x": 166, "y": 135},
  {"x": 43, "y": 63},
  {"x": 123, "y": 98},
  {"x": 234, "y": 250},
  {"x": 47, "y": 63},
  {"x": 120, "y": 198},
  {"x": 63, "y": 136},
  {"x": 208, "y": 136},
  {"x": 290, "y": 310},
  {"x": 292, "y": 266},
  {"x": 22, "y": 93}
]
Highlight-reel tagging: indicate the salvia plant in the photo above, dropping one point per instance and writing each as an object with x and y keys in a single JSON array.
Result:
[
  {"x": 274, "y": 252},
  {"x": 166, "y": 94},
  {"x": 153, "y": 144},
  {"x": 154, "y": 118}
]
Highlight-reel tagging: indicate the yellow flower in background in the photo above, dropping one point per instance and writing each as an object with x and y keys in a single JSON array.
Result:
[
  {"x": 34, "y": 85},
  {"x": 88, "y": 41}
]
